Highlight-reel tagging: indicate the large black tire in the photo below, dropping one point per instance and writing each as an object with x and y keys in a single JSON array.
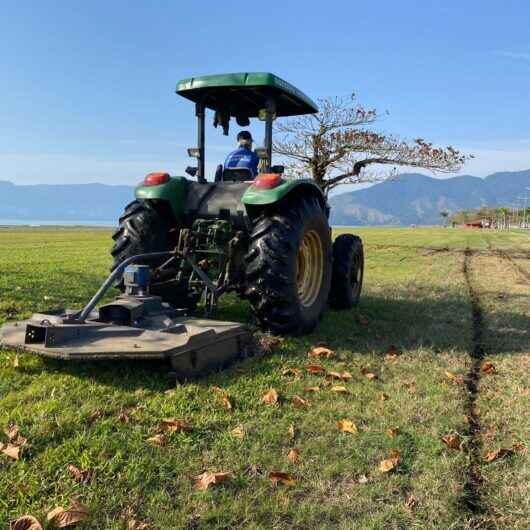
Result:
[
  {"x": 348, "y": 271},
  {"x": 143, "y": 229},
  {"x": 288, "y": 266}
]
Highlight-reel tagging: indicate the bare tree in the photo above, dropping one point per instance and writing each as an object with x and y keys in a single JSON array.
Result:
[{"x": 336, "y": 145}]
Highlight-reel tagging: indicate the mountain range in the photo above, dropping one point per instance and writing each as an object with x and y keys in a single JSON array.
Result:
[{"x": 411, "y": 198}]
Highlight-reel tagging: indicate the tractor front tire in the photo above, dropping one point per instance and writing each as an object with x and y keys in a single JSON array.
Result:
[
  {"x": 288, "y": 266},
  {"x": 348, "y": 271},
  {"x": 142, "y": 229}
]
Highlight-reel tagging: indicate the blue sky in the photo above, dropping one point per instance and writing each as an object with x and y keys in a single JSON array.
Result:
[{"x": 87, "y": 88}]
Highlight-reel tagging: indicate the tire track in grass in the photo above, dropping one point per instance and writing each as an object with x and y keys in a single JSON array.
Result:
[{"x": 472, "y": 498}]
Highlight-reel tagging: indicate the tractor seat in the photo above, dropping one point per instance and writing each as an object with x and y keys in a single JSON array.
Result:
[{"x": 233, "y": 174}]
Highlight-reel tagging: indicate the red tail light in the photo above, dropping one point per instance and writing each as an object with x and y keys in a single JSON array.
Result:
[
  {"x": 266, "y": 181},
  {"x": 155, "y": 179}
]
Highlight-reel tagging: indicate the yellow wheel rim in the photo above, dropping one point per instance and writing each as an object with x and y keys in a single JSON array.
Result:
[{"x": 310, "y": 268}]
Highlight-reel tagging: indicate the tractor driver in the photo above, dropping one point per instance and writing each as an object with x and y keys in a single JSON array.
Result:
[{"x": 243, "y": 156}]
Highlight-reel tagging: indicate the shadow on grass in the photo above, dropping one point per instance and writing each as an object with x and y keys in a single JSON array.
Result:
[{"x": 441, "y": 324}]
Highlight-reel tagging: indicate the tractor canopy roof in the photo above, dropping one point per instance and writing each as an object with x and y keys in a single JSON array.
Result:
[{"x": 246, "y": 93}]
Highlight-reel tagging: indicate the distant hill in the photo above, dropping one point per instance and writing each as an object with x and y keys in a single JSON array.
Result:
[
  {"x": 64, "y": 202},
  {"x": 411, "y": 199},
  {"x": 418, "y": 199}
]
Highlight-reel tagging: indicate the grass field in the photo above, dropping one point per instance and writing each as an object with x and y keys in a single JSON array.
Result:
[{"x": 448, "y": 301}]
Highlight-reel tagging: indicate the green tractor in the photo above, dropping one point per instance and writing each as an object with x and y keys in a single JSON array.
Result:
[{"x": 266, "y": 238}]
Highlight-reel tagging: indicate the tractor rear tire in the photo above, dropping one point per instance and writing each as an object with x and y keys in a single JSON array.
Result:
[
  {"x": 288, "y": 266},
  {"x": 141, "y": 230},
  {"x": 348, "y": 271}
]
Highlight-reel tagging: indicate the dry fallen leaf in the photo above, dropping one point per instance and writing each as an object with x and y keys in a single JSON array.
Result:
[
  {"x": 321, "y": 351},
  {"x": 391, "y": 357},
  {"x": 26, "y": 522},
  {"x": 315, "y": 369},
  {"x": 368, "y": 374},
  {"x": 363, "y": 479},
  {"x": 95, "y": 415},
  {"x": 227, "y": 404},
  {"x": 390, "y": 463},
  {"x": 82, "y": 476},
  {"x": 342, "y": 376},
  {"x": 347, "y": 426},
  {"x": 393, "y": 432},
  {"x": 340, "y": 389},
  {"x": 293, "y": 456},
  {"x": 16, "y": 363},
  {"x": 206, "y": 479},
  {"x": 279, "y": 477},
  {"x": 300, "y": 402},
  {"x": 10, "y": 450},
  {"x": 158, "y": 439},
  {"x": 312, "y": 389},
  {"x": 518, "y": 447},
  {"x": 268, "y": 343},
  {"x": 172, "y": 425},
  {"x": 238, "y": 432},
  {"x": 384, "y": 397},
  {"x": 456, "y": 379},
  {"x": 411, "y": 502},
  {"x": 124, "y": 417},
  {"x": 270, "y": 397},
  {"x": 134, "y": 524},
  {"x": 452, "y": 441},
  {"x": 12, "y": 432},
  {"x": 61, "y": 518},
  {"x": 488, "y": 368},
  {"x": 295, "y": 372},
  {"x": 490, "y": 456},
  {"x": 217, "y": 390}
]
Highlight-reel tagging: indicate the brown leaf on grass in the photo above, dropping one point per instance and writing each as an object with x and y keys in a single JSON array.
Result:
[
  {"x": 291, "y": 432},
  {"x": 368, "y": 374},
  {"x": 16, "y": 361},
  {"x": 95, "y": 415},
  {"x": 340, "y": 390},
  {"x": 347, "y": 426},
  {"x": 321, "y": 351},
  {"x": 295, "y": 372},
  {"x": 452, "y": 441},
  {"x": 411, "y": 502},
  {"x": 300, "y": 402},
  {"x": 269, "y": 343},
  {"x": 12, "y": 432},
  {"x": 11, "y": 450},
  {"x": 390, "y": 463},
  {"x": 134, "y": 524},
  {"x": 293, "y": 456},
  {"x": 227, "y": 404},
  {"x": 124, "y": 417},
  {"x": 384, "y": 397},
  {"x": 172, "y": 425},
  {"x": 342, "y": 376},
  {"x": 270, "y": 397},
  {"x": 238, "y": 432},
  {"x": 490, "y": 456},
  {"x": 61, "y": 518},
  {"x": 312, "y": 389},
  {"x": 391, "y": 357},
  {"x": 158, "y": 439},
  {"x": 81, "y": 476},
  {"x": 217, "y": 390},
  {"x": 26, "y": 522},
  {"x": 488, "y": 368},
  {"x": 393, "y": 432},
  {"x": 456, "y": 379},
  {"x": 315, "y": 369},
  {"x": 518, "y": 447},
  {"x": 207, "y": 479},
  {"x": 277, "y": 477}
]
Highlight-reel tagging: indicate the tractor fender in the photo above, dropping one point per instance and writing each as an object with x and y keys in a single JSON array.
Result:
[
  {"x": 174, "y": 192},
  {"x": 255, "y": 197}
]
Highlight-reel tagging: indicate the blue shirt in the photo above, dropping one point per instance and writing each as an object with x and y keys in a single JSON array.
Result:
[{"x": 243, "y": 157}]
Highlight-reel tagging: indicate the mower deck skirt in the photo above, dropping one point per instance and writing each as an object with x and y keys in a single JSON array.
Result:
[{"x": 192, "y": 345}]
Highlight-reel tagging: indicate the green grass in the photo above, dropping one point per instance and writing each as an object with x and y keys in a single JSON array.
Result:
[{"x": 414, "y": 297}]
